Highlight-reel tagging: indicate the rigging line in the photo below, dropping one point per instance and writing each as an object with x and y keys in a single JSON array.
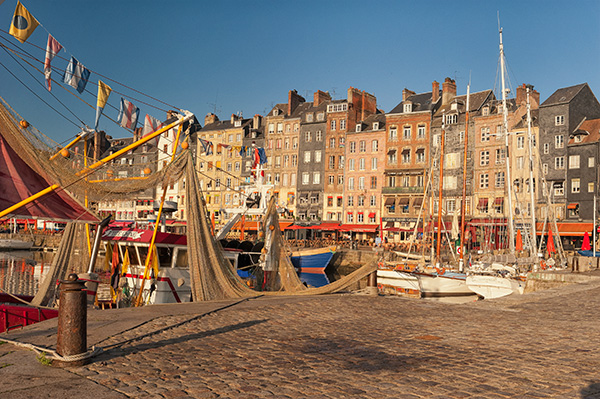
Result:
[
  {"x": 105, "y": 77},
  {"x": 35, "y": 94},
  {"x": 37, "y": 81}
]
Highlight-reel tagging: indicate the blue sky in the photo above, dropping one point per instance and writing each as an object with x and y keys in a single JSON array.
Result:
[{"x": 244, "y": 56}]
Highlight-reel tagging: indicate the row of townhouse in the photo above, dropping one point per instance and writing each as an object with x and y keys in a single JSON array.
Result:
[{"x": 347, "y": 162}]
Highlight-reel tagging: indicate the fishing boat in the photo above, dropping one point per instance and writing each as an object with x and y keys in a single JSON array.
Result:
[
  {"x": 441, "y": 283},
  {"x": 311, "y": 264},
  {"x": 495, "y": 281},
  {"x": 396, "y": 278}
]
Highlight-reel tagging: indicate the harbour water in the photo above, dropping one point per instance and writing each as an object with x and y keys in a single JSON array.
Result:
[{"x": 21, "y": 272}]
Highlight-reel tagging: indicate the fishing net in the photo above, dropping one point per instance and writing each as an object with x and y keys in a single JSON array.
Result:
[{"x": 69, "y": 172}]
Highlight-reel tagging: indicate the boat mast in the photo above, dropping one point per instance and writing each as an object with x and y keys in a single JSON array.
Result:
[
  {"x": 508, "y": 181},
  {"x": 531, "y": 182},
  {"x": 441, "y": 185},
  {"x": 464, "y": 185}
]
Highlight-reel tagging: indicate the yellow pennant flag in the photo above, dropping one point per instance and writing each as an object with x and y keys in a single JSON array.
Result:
[
  {"x": 103, "y": 93},
  {"x": 23, "y": 23},
  {"x": 126, "y": 262}
]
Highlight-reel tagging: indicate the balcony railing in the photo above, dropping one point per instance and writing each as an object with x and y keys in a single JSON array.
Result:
[{"x": 399, "y": 190}]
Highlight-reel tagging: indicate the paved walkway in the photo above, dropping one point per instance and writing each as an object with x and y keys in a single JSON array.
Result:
[{"x": 543, "y": 344}]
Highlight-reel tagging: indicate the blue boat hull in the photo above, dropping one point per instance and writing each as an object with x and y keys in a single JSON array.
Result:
[{"x": 311, "y": 265}]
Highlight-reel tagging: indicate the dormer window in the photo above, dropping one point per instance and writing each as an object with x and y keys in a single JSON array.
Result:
[
  {"x": 454, "y": 106},
  {"x": 375, "y": 125},
  {"x": 578, "y": 138},
  {"x": 275, "y": 112},
  {"x": 309, "y": 117},
  {"x": 485, "y": 111},
  {"x": 358, "y": 127},
  {"x": 320, "y": 116},
  {"x": 237, "y": 123},
  {"x": 500, "y": 109},
  {"x": 408, "y": 107},
  {"x": 451, "y": 119}
]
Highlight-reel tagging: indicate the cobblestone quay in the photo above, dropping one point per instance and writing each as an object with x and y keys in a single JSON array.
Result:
[{"x": 543, "y": 344}]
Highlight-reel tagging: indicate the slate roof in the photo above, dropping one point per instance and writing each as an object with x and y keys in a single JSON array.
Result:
[
  {"x": 476, "y": 101},
  {"x": 522, "y": 124},
  {"x": 421, "y": 102},
  {"x": 222, "y": 125},
  {"x": 563, "y": 96},
  {"x": 591, "y": 131}
]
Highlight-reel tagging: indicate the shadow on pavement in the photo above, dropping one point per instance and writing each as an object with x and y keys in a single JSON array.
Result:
[
  {"x": 117, "y": 350},
  {"x": 591, "y": 391}
]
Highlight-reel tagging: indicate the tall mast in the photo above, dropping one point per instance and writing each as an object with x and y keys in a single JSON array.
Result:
[
  {"x": 439, "y": 232},
  {"x": 507, "y": 181},
  {"x": 531, "y": 184},
  {"x": 464, "y": 185}
]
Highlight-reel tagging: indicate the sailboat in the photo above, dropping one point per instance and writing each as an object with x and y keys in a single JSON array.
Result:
[{"x": 498, "y": 279}]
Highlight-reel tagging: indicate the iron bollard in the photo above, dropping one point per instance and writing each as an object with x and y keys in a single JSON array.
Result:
[
  {"x": 372, "y": 284},
  {"x": 72, "y": 321}
]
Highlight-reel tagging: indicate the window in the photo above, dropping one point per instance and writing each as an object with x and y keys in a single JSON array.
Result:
[
  {"x": 318, "y": 156},
  {"x": 358, "y": 127},
  {"x": 352, "y": 148},
  {"x": 285, "y": 180},
  {"x": 373, "y": 200},
  {"x": 307, "y": 136},
  {"x": 295, "y": 143},
  {"x": 591, "y": 187},
  {"x": 294, "y": 160},
  {"x": 450, "y": 182},
  {"x": 484, "y": 180},
  {"x": 420, "y": 181},
  {"x": 341, "y": 180},
  {"x": 484, "y": 158},
  {"x": 408, "y": 107},
  {"x": 520, "y": 162},
  {"x": 319, "y": 136},
  {"x": 575, "y": 185},
  {"x": 373, "y": 182},
  {"x": 559, "y": 163},
  {"x": 237, "y": 166},
  {"x": 350, "y": 216},
  {"x": 287, "y": 144},
  {"x": 451, "y": 119},
  {"x": 421, "y": 132},
  {"x": 342, "y": 142},
  {"x": 450, "y": 206},
  {"x": 461, "y": 137},
  {"x": 392, "y": 157},
  {"x": 559, "y": 188},
  {"x": 341, "y": 162},
  {"x": 295, "y": 127},
  {"x": 361, "y": 186},
  {"x": 277, "y": 178},
  {"x": 337, "y": 107},
  {"x": 286, "y": 161},
  {"x": 342, "y": 124},
  {"x": 374, "y": 146},
  {"x": 331, "y": 179},
  {"x": 280, "y": 128},
  {"x": 305, "y": 178},
  {"x": 306, "y": 156},
  {"x": 485, "y": 134},
  {"x": 320, "y": 116},
  {"x": 591, "y": 162},
  {"x": 333, "y": 124},
  {"x": 288, "y": 128},
  {"x": 362, "y": 146},
  {"x": 406, "y": 135},
  {"x": 500, "y": 156},
  {"x": 499, "y": 180},
  {"x": 393, "y": 135},
  {"x": 309, "y": 117},
  {"x": 405, "y": 181},
  {"x": 351, "y": 183},
  {"x": 520, "y": 142},
  {"x": 559, "y": 120},
  {"x": 373, "y": 163},
  {"x": 559, "y": 141},
  {"x": 278, "y": 161},
  {"x": 316, "y": 177},
  {"x": 406, "y": 156},
  {"x": 573, "y": 161},
  {"x": 545, "y": 169},
  {"x": 437, "y": 140},
  {"x": 485, "y": 111},
  {"x": 271, "y": 128},
  {"x": 332, "y": 142},
  {"x": 351, "y": 164},
  {"x": 361, "y": 164},
  {"x": 332, "y": 162}
]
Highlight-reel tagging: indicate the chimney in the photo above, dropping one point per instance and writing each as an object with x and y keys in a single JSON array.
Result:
[
  {"x": 521, "y": 94},
  {"x": 210, "y": 118},
  {"x": 294, "y": 99},
  {"x": 406, "y": 94},
  {"x": 257, "y": 121},
  {"x": 435, "y": 92},
  {"x": 320, "y": 97},
  {"x": 233, "y": 118},
  {"x": 448, "y": 90}
]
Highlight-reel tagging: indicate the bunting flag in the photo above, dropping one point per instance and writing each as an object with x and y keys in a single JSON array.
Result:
[
  {"x": 52, "y": 48},
  {"x": 151, "y": 125},
  {"x": 23, "y": 23},
  {"x": 128, "y": 114},
  {"x": 76, "y": 75},
  {"x": 207, "y": 146},
  {"x": 155, "y": 262},
  {"x": 262, "y": 156},
  {"x": 103, "y": 93},
  {"x": 126, "y": 263}
]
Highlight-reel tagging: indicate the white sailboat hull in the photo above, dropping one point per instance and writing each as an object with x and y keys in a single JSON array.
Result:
[
  {"x": 436, "y": 285},
  {"x": 397, "y": 282},
  {"x": 491, "y": 287}
]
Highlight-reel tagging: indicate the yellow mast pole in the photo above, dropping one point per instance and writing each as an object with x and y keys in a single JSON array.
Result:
[
  {"x": 89, "y": 169},
  {"x": 86, "y": 203},
  {"x": 71, "y": 144},
  {"x": 138, "y": 300}
]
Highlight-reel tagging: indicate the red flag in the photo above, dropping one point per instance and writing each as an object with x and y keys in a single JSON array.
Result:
[
  {"x": 519, "y": 245},
  {"x": 52, "y": 48},
  {"x": 586, "y": 242},
  {"x": 550, "y": 244}
]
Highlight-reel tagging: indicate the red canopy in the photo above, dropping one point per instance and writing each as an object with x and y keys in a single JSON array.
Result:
[
  {"x": 359, "y": 228},
  {"x": 19, "y": 181}
]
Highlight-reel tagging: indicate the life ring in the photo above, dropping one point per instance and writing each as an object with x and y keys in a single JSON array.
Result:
[{"x": 440, "y": 271}]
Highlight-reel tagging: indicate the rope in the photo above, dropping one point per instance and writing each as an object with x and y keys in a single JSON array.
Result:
[{"x": 53, "y": 354}]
